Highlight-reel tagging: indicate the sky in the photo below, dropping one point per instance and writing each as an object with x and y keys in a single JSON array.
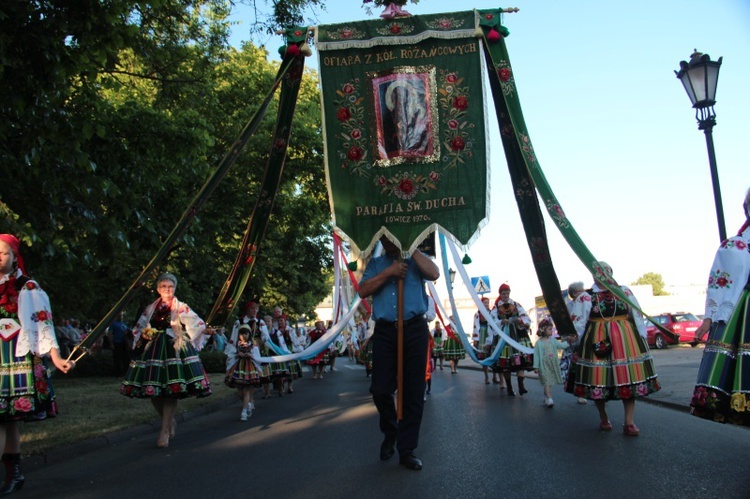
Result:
[{"x": 613, "y": 130}]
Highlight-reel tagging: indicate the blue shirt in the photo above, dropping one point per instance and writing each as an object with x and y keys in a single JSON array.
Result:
[
  {"x": 385, "y": 299},
  {"x": 119, "y": 332}
]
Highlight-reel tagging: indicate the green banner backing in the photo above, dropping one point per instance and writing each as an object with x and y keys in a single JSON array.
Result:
[{"x": 404, "y": 126}]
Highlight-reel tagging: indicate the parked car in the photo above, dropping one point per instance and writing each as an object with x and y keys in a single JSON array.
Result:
[{"x": 673, "y": 329}]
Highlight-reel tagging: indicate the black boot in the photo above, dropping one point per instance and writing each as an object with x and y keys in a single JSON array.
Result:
[
  {"x": 506, "y": 375},
  {"x": 13, "y": 478},
  {"x": 521, "y": 389}
]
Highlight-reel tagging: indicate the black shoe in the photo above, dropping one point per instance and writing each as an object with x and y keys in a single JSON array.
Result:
[
  {"x": 521, "y": 391},
  {"x": 511, "y": 393},
  {"x": 410, "y": 461},
  {"x": 387, "y": 449}
]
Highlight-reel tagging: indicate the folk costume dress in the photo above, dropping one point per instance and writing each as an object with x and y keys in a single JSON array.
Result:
[
  {"x": 614, "y": 362},
  {"x": 26, "y": 335},
  {"x": 453, "y": 349},
  {"x": 511, "y": 359},
  {"x": 246, "y": 371},
  {"x": 294, "y": 367},
  {"x": 437, "y": 336},
  {"x": 323, "y": 357},
  {"x": 480, "y": 336},
  {"x": 722, "y": 391},
  {"x": 579, "y": 323},
  {"x": 167, "y": 364}
]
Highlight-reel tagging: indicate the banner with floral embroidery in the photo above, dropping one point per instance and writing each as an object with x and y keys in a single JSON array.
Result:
[{"x": 404, "y": 125}]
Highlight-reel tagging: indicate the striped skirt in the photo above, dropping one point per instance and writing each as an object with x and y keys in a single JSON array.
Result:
[
  {"x": 244, "y": 373},
  {"x": 160, "y": 371},
  {"x": 511, "y": 359},
  {"x": 614, "y": 362},
  {"x": 453, "y": 350},
  {"x": 722, "y": 391},
  {"x": 26, "y": 393}
]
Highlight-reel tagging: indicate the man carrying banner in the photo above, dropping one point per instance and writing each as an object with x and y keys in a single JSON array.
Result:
[{"x": 380, "y": 280}]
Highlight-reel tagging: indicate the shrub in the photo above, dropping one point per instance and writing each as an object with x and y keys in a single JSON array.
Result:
[{"x": 213, "y": 361}]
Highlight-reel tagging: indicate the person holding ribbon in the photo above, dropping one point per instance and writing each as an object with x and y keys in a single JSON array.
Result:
[
  {"x": 167, "y": 336},
  {"x": 511, "y": 314},
  {"x": 381, "y": 281},
  {"x": 723, "y": 385},
  {"x": 28, "y": 335},
  {"x": 614, "y": 362}
]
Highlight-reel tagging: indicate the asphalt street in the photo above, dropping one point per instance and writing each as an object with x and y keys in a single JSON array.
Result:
[{"x": 323, "y": 441}]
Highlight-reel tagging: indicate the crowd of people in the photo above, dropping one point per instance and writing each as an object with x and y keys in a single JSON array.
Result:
[{"x": 604, "y": 358}]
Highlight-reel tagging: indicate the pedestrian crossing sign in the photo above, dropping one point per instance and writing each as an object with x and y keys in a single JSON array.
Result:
[{"x": 481, "y": 284}]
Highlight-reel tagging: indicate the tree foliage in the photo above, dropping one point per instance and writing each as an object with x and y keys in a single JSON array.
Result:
[
  {"x": 114, "y": 114},
  {"x": 655, "y": 280}
]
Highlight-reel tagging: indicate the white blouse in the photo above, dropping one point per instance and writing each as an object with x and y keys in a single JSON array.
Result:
[{"x": 728, "y": 277}]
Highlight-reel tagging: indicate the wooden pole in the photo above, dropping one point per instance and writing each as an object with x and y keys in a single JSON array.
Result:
[{"x": 400, "y": 355}]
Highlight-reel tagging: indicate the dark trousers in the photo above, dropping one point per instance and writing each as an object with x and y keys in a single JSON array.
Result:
[
  {"x": 121, "y": 358},
  {"x": 384, "y": 381}
]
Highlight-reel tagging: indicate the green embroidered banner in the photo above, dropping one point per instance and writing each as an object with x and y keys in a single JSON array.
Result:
[{"x": 404, "y": 125}]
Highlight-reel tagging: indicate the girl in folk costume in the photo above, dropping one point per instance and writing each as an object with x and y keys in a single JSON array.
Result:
[
  {"x": 510, "y": 313},
  {"x": 546, "y": 364},
  {"x": 319, "y": 362},
  {"x": 614, "y": 362},
  {"x": 246, "y": 373},
  {"x": 722, "y": 391},
  {"x": 437, "y": 349},
  {"x": 26, "y": 334},
  {"x": 430, "y": 366},
  {"x": 482, "y": 341},
  {"x": 167, "y": 367}
]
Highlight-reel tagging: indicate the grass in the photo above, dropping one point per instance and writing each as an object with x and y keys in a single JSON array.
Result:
[{"x": 93, "y": 407}]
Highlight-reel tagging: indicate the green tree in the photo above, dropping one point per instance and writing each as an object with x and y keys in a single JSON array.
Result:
[
  {"x": 655, "y": 280},
  {"x": 115, "y": 119}
]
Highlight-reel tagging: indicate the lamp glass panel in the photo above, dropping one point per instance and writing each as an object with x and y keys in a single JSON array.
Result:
[
  {"x": 712, "y": 79},
  {"x": 697, "y": 75}
]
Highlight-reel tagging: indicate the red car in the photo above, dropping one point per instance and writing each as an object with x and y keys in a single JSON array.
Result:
[{"x": 674, "y": 328}]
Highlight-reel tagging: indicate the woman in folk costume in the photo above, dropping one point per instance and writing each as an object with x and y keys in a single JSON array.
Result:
[
  {"x": 437, "y": 349},
  {"x": 365, "y": 349},
  {"x": 614, "y": 362},
  {"x": 294, "y": 368},
  {"x": 482, "y": 340},
  {"x": 27, "y": 334},
  {"x": 246, "y": 372},
  {"x": 320, "y": 361},
  {"x": 578, "y": 296},
  {"x": 510, "y": 313},
  {"x": 453, "y": 349},
  {"x": 167, "y": 367},
  {"x": 722, "y": 391}
]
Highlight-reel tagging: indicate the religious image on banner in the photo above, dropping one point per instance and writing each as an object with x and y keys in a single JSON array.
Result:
[{"x": 404, "y": 123}]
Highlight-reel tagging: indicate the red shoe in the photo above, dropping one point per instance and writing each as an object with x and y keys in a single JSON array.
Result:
[
  {"x": 605, "y": 426},
  {"x": 630, "y": 430}
]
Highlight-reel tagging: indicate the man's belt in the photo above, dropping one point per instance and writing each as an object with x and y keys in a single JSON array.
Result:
[{"x": 408, "y": 322}]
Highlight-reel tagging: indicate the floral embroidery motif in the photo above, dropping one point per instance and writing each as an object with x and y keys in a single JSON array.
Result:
[
  {"x": 557, "y": 214},
  {"x": 350, "y": 114},
  {"x": 719, "y": 279},
  {"x": 454, "y": 101},
  {"x": 507, "y": 82},
  {"x": 445, "y": 23},
  {"x": 395, "y": 29},
  {"x": 407, "y": 185},
  {"x": 527, "y": 148},
  {"x": 345, "y": 33}
]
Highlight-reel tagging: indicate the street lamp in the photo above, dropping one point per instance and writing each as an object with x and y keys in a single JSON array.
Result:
[
  {"x": 699, "y": 77},
  {"x": 452, "y": 276}
]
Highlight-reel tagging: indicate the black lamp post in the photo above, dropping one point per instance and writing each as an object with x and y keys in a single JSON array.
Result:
[{"x": 699, "y": 77}]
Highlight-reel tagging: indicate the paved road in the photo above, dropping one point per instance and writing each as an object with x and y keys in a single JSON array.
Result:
[{"x": 476, "y": 442}]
